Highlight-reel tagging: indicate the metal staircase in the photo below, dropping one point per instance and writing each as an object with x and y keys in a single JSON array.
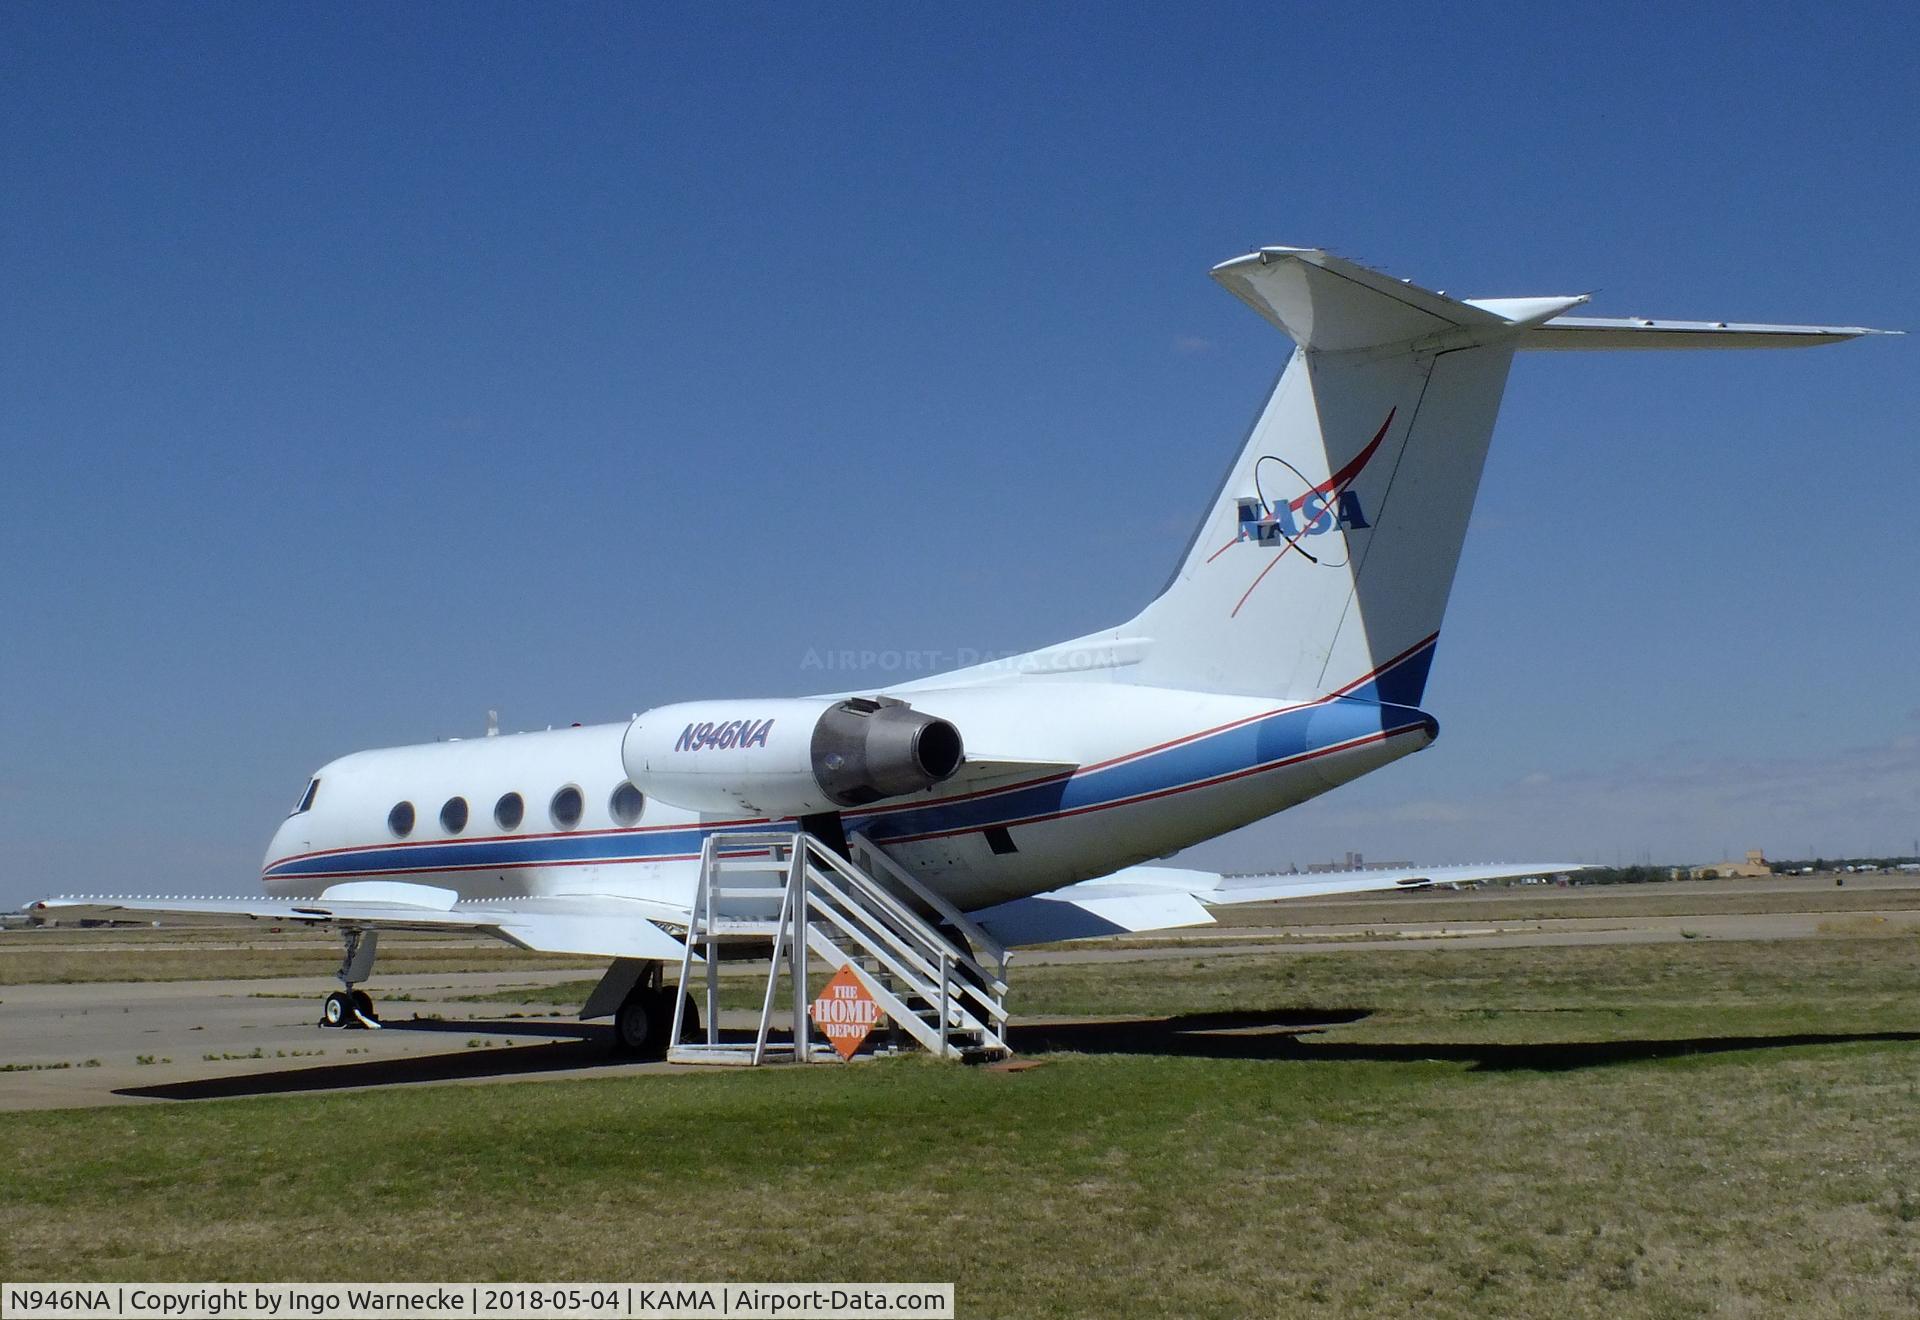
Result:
[{"x": 940, "y": 978}]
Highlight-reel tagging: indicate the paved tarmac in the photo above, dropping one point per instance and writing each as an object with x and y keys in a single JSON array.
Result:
[{"x": 64, "y": 1045}]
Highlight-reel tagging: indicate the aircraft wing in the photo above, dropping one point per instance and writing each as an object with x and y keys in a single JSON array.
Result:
[
  {"x": 1165, "y": 898},
  {"x": 596, "y": 926},
  {"x": 1273, "y": 888}
]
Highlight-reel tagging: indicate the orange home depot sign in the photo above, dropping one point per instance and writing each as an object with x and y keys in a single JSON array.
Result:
[{"x": 845, "y": 1012}]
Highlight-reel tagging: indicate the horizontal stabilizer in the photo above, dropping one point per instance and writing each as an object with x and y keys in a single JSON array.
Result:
[
  {"x": 1329, "y": 305},
  {"x": 1581, "y": 332}
]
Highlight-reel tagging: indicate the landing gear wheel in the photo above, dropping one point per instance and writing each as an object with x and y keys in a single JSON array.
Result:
[
  {"x": 338, "y": 1011},
  {"x": 639, "y": 1027},
  {"x": 689, "y": 1020},
  {"x": 364, "y": 1003}
]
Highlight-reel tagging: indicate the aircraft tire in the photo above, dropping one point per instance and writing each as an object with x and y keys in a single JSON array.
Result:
[
  {"x": 364, "y": 1002},
  {"x": 337, "y": 1012},
  {"x": 639, "y": 1027}
]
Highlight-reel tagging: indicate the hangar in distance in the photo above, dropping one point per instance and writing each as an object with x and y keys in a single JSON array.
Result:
[{"x": 1288, "y": 654}]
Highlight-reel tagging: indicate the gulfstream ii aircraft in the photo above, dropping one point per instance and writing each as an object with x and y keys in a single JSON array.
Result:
[{"x": 1287, "y": 655}]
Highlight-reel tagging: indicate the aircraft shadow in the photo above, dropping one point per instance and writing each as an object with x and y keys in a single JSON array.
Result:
[
  {"x": 570, "y": 1046},
  {"x": 1279, "y": 1035},
  {"x": 553, "y": 1030},
  {"x": 1287, "y": 1034}
]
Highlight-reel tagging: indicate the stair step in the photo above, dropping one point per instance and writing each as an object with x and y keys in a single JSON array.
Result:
[{"x": 739, "y": 929}]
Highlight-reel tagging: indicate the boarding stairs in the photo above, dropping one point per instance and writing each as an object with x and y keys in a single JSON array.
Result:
[{"x": 936, "y": 975}]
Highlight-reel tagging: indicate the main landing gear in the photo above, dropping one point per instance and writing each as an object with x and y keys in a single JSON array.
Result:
[
  {"x": 644, "y": 1021},
  {"x": 348, "y": 1007},
  {"x": 633, "y": 992}
]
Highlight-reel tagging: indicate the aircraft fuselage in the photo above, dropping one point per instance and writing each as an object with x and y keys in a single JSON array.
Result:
[{"x": 1152, "y": 771}]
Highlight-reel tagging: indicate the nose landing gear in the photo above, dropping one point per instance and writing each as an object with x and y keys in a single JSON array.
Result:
[{"x": 348, "y": 1007}]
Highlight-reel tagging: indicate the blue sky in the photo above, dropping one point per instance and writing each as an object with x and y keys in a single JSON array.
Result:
[{"x": 368, "y": 366}]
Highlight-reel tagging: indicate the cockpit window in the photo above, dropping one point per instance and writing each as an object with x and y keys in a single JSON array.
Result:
[{"x": 306, "y": 798}]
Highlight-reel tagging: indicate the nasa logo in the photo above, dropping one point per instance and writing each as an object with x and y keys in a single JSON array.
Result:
[
  {"x": 1322, "y": 512},
  {"x": 707, "y": 736},
  {"x": 1283, "y": 524},
  {"x": 1321, "y": 508}
]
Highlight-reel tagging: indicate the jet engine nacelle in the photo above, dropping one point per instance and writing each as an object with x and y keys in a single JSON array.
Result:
[{"x": 787, "y": 758}]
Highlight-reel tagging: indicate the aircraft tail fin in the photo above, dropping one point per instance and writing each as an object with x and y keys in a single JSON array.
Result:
[{"x": 1324, "y": 563}]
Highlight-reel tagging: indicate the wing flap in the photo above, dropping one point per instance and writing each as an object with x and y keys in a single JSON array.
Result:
[
  {"x": 594, "y": 937},
  {"x": 1064, "y": 915}
]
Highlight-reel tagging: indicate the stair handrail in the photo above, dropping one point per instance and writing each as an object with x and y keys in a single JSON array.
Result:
[
  {"x": 973, "y": 931},
  {"x": 901, "y": 913}
]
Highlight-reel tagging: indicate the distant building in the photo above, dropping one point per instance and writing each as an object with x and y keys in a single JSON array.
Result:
[
  {"x": 1754, "y": 868},
  {"x": 1353, "y": 861}
]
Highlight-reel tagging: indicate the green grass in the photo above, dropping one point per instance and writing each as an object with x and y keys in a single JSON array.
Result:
[
  {"x": 1568, "y": 1132},
  {"x": 229, "y": 953},
  {"x": 1592, "y": 993},
  {"x": 1599, "y": 991}
]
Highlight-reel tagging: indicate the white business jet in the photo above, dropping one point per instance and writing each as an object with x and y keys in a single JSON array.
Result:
[{"x": 1287, "y": 655}]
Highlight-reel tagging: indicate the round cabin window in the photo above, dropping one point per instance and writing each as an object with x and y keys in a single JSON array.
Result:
[
  {"x": 566, "y": 807},
  {"x": 626, "y": 804},
  {"x": 400, "y": 819}
]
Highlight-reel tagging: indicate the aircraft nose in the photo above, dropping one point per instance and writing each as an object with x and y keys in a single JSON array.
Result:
[{"x": 288, "y": 840}]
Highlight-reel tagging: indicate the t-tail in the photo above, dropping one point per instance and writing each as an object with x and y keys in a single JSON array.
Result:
[{"x": 1324, "y": 563}]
